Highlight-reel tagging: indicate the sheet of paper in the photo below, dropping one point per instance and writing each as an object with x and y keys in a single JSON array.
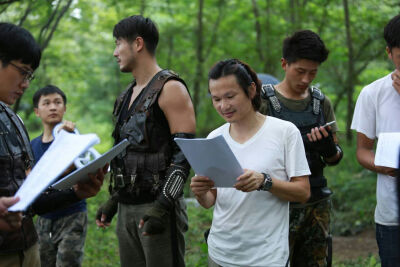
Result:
[
  {"x": 82, "y": 173},
  {"x": 58, "y": 157},
  {"x": 387, "y": 150},
  {"x": 212, "y": 158}
]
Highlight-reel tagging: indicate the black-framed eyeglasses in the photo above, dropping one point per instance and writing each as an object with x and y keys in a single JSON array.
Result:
[{"x": 28, "y": 75}]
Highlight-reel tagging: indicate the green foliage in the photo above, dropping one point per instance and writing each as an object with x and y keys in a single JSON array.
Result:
[
  {"x": 371, "y": 261},
  {"x": 354, "y": 194}
]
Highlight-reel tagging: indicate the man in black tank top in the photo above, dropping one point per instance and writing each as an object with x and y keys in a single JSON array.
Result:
[
  {"x": 147, "y": 181},
  {"x": 295, "y": 100}
]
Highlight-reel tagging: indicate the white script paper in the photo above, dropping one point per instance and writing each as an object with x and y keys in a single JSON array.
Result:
[
  {"x": 58, "y": 157},
  {"x": 212, "y": 158},
  {"x": 387, "y": 150}
]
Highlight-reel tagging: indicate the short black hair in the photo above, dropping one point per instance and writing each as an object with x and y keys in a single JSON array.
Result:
[
  {"x": 391, "y": 33},
  {"x": 16, "y": 43},
  {"x": 304, "y": 44},
  {"x": 137, "y": 25},
  {"x": 47, "y": 90},
  {"x": 244, "y": 75}
]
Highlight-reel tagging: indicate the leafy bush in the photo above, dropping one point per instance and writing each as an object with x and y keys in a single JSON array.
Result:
[{"x": 354, "y": 196}]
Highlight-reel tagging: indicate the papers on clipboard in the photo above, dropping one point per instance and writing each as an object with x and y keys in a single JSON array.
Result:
[
  {"x": 81, "y": 175},
  {"x": 58, "y": 157},
  {"x": 387, "y": 150},
  {"x": 212, "y": 158}
]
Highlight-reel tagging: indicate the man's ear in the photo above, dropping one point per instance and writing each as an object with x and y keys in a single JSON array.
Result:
[
  {"x": 36, "y": 112},
  {"x": 389, "y": 52},
  {"x": 139, "y": 44},
  {"x": 284, "y": 63},
  {"x": 252, "y": 90}
]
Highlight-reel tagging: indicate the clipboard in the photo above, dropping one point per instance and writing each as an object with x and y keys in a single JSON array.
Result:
[{"x": 81, "y": 175}]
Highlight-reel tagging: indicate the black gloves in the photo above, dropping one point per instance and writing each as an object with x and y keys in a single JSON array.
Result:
[
  {"x": 155, "y": 219},
  {"x": 325, "y": 146},
  {"x": 109, "y": 209}
]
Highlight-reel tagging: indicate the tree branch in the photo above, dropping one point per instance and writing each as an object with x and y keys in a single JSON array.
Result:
[
  {"x": 53, "y": 29},
  {"x": 363, "y": 46},
  {"x": 28, "y": 10},
  {"x": 339, "y": 98},
  {"x": 45, "y": 27},
  {"x": 257, "y": 26}
]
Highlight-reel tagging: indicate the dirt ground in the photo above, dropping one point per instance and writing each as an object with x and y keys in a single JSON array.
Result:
[{"x": 354, "y": 247}]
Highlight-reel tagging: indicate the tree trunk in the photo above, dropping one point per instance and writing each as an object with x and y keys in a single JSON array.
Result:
[
  {"x": 350, "y": 73},
  {"x": 257, "y": 26},
  {"x": 199, "y": 56}
]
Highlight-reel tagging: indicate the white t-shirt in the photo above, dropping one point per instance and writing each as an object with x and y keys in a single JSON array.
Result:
[
  {"x": 251, "y": 229},
  {"x": 377, "y": 111}
]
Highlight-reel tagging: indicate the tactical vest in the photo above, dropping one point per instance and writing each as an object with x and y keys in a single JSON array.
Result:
[
  {"x": 139, "y": 174},
  {"x": 15, "y": 158},
  {"x": 305, "y": 120}
]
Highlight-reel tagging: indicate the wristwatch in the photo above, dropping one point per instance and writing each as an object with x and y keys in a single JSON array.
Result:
[{"x": 266, "y": 185}]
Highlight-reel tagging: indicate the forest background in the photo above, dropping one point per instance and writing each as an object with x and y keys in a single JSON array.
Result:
[{"x": 76, "y": 38}]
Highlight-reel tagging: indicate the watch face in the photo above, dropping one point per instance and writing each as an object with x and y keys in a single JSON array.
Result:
[{"x": 267, "y": 182}]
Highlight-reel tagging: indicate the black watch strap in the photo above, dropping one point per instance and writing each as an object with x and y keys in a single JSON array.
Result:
[{"x": 266, "y": 185}]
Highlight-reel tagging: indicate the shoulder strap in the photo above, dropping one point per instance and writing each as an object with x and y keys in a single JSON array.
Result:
[
  {"x": 268, "y": 92},
  {"x": 120, "y": 100},
  {"x": 21, "y": 131},
  {"x": 154, "y": 87},
  {"x": 317, "y": 97}
]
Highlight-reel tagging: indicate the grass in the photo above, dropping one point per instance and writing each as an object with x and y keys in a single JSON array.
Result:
[{"x": 371, "y": 261}]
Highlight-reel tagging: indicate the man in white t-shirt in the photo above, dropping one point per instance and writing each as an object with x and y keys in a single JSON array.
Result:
[
  {"x": 251, "y": 219},
  {"x": 377, "y": 111},
  {"x": 280, "y": 144}
]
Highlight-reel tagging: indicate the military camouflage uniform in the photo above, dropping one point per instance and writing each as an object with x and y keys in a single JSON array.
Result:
[
  {"x": 309, "y": 231},
  {"x": 62, "y": 240}
]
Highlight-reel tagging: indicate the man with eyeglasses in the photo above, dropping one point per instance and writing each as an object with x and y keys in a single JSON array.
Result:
[
  {"x": 28, "y": 75},
  {"x": 19, "y": 57}
]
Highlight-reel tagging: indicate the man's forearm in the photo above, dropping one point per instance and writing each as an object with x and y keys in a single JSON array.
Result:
[
  {"x": 366, "y": 158},
  {"x": 297, "y": 190},
  {"x": 207, "y": 200}
]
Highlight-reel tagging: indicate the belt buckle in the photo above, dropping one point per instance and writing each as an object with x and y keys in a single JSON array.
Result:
[
  {"x": 119, "y": 181},
  {"x": 132, "y": 185}
]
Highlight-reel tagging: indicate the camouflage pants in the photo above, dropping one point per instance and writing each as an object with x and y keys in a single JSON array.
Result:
[
  {"x": 61, "y": 241},
  {"x": 308, "y": 235}
]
